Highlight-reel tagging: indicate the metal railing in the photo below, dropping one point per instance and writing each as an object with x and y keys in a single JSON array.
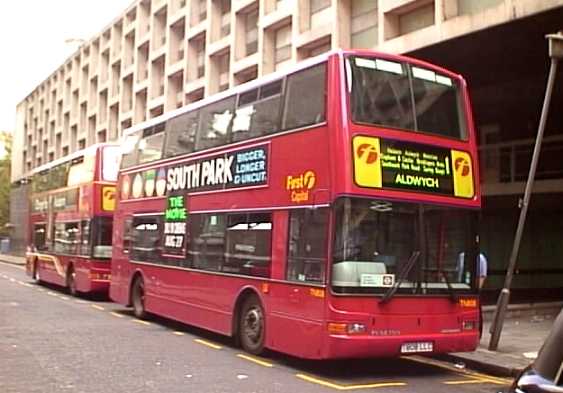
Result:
[{"x": 509, "y": 162}]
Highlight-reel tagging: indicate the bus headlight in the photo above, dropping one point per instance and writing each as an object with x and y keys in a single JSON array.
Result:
[
  {"x": 346, "y": 328},
  {"x": 356, "y": 328}
]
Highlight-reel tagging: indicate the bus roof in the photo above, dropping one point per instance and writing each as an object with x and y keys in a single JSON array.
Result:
[
  {"x": 275, "y": 76},
  {"x": 67, "y": 158}
]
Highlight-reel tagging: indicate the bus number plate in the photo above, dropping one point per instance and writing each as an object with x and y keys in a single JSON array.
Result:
[{"x": 416, "y": 347}]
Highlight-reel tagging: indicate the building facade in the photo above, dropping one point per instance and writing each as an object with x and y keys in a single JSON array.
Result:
[{"x": 161, "y": 54}]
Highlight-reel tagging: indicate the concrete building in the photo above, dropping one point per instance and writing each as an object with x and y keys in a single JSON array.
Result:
[{"x": 161, "y": 54}]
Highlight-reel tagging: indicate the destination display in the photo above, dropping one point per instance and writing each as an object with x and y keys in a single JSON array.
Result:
[
  {"x": 235, "y": 169},
  {"x": 392, "y": 164}
]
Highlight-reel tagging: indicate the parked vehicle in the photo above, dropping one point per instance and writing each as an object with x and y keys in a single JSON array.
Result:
[{"x": 545, "y": 374}]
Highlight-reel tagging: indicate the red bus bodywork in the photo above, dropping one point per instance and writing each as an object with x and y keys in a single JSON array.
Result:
[
  {"x": 80, "y": 202},
  {"x": 305, "y": 320}
]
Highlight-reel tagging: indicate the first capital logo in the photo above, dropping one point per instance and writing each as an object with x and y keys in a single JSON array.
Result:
[
  {"x": 300, "y": 185},
  {"x": 367, "y": 153}
]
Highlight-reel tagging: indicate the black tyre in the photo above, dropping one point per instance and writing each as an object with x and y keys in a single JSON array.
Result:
[
  {"x": 71, "y": 281},
  {"x": 138, "y": 298},
  {"x": 252, "y": 326}
]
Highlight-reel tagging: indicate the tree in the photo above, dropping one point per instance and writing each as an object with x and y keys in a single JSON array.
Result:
[{"x": 5, "y": 168}]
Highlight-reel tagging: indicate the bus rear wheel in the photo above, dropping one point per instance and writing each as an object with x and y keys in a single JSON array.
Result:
[
  {"x": 138, "y": 298},
  {"x": 71, "y": 282},
  {"x": 252, "y": 326}
]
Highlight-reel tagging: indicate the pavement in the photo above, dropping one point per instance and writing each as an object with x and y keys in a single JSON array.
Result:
[{"x": 525, "y": 328}]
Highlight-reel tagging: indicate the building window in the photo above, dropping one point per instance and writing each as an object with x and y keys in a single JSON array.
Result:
[
  {"x": 319, "y": 5},
  {"x": 200, "y": 57},
  {"x": 417, "y": 19},
  {"x": 225, "y": 17},
  {"x": 251, "y": 32},
  {"x": 224, "y": 71},
  {"x": 282, "y": 45},
  {"x": 364, "y": 24}
]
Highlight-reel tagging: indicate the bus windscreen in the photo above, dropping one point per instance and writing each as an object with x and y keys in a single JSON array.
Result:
[
  {"x": 399, "y": 95},
  {"x": 375, "y": 240}
]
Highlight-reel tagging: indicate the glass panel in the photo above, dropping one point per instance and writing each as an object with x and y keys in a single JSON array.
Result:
[
  {"x": 307, "y": 245},
  {"x": 103, "y": 231},
  {"x": 39, "y": 237},
  {"x": 260, "y": 117},
  {"x": 67, "y": 237},
  {"x": 307, "y": 86},
  {"x": 437, "y": 103},
  {"x": 380, "y": 243},
  {"x": 381, "y": 94},
  {"x": 248, "y": 244},
  {"x": 85, "y": 245},
  {"x": 215, "y": 123},
  {"x": 145, "y": 240},
  {"x": 150, "y": 147},
  {"x": 110, "y": 163},
  {"x": 318, "y": 5},
  {"x": 181, "y": 134},
  {"x": 129, "y": 150},
  {"x": 207, "y": 241}
]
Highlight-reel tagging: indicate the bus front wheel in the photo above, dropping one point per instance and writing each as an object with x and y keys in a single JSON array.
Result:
[
  {"x": 138, "y": 298},
  {"x": 252, "y": 326}
]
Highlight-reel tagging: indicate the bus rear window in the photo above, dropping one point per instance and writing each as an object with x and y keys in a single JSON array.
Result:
[
  {"x": 398, "y": 95},
  {"x": 102, "y": 234}
]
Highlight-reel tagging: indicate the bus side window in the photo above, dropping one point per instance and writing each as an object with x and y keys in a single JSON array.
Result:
[
  {"x": 305, "y": 98},
  {"x": 67, "y": 237},
  {"x": 258, "y": 112},
  {"x": 150, "y": 145},
  {"x": 307, "y": 248},
  {"x": 85, "y": 245},
  {"x": 207, "y": 241},
  {"x": 215, "y": 123},
  {"x": 127, "y": 234},
  {"x": 249, "y": 244},
  {"x": 39, "y": 236},
  {"x": 180, "y": 134},
  {"x": 145, "y": 242}
]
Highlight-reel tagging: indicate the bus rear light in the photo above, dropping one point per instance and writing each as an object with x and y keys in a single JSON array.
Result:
[
  {"x": 469, "y": 325},
  {"x": 346, "y": 328}
]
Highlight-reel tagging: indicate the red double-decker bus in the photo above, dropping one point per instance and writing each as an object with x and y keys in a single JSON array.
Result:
[
  {"x": 71, "y": 218},
  {"x": 325, "y": 212}
]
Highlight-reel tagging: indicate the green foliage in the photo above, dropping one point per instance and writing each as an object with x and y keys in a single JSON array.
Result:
[{"x": 5, "y": 167}]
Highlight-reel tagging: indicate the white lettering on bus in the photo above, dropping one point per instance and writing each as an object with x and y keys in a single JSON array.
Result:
[{"x": 206, "y": 173}]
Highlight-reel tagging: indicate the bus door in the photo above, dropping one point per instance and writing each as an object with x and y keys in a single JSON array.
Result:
[{"x": 300, "y": 303}]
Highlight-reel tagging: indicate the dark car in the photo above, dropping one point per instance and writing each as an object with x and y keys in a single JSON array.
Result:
[{"x": 545, "y": 374}]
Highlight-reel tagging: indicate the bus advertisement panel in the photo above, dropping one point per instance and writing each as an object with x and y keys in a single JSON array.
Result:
[{"x": 319, "y": 212}]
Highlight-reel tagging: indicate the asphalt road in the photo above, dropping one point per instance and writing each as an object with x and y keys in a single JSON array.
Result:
[{"x": 51, "y": 342}]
